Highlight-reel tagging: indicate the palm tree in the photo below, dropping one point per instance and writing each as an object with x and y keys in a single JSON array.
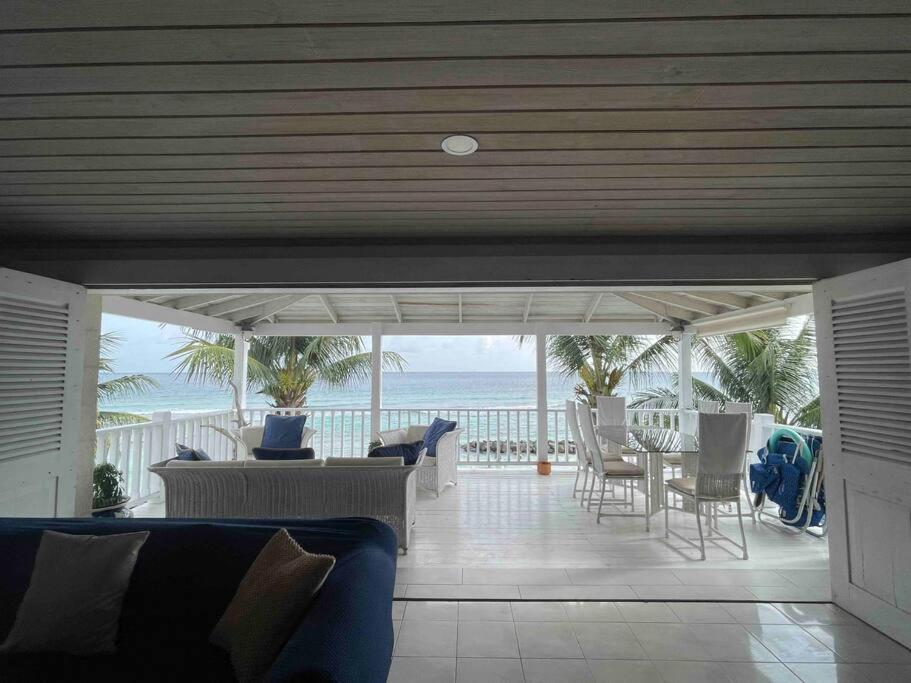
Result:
[
  {"x": 283, "y": 368},
  {"x": 602, "y": 362},
  {"x": 771, "y": 369},
  {"x": 118, "y": 387}
]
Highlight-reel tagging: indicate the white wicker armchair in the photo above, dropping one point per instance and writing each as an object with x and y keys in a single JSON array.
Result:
[{"x": 436, "y": 472}]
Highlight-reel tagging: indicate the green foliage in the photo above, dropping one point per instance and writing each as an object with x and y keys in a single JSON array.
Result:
[
  {"x": 107, "y": 486},
  {"x": 770, "y": 369},
  {"x": 118, "y": 387},
  {"x": 283, "y": 368},
  {"x": 602, "y": 362}
]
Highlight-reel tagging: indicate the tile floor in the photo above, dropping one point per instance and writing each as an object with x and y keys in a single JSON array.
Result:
[{"x": 629, "y": 642}]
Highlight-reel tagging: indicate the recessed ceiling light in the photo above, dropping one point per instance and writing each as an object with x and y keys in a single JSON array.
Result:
[{"x": 459, "y": 145}]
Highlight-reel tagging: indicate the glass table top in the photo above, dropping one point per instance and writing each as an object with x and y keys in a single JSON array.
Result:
[{"x": 650, "y": 439}]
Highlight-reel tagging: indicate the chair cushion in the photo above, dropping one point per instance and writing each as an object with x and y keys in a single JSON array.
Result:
[
  {"x": 266, "y": 464},
  {"x": 364, "y": 462},
  {"x": 392, "y": 437},
  {"x": 686, "y": 485},
  {"x": 283, "y": 431},
  {"x": 284, "y": 453},
  {"x": 621, "y": 468},
  {"x": 409, "y": 452},
  {"x": 673, "y": 459},
  {"x": 191, "y": 454},
  {"x": 435, "y": 432}
]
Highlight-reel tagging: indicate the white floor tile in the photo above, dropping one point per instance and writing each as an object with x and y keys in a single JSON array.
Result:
[
  {"x": 885, "y": 673},
  {"x": 701, "y": 613},
  {"x": 669, "y": 641},
  {"x": 487, "y": 639},
  {"x": 605, "y": 640},
  {"x": 692, "y": 672},
  {"x": 731, "y": 577},
  {"x": 808, "y": 614},
  {"x": 759, "y": 672},
  {"x": 592, "y": 611},
  {"x": 489, "y": 671},
  {"x": 860, "y": 644},
  {"x": 621, "y": 577},
  {"x": 647, "y": 611},
  {"x": 557, "y": 671},
  {"x": 785, "y": 594},
  {"x": 547, "y": 640},
  {"x": 515, "y": 577},
  {"x": 485, "y": 611},
  {"x": 432, "y": 610},
  {"x": 427, "y": 639},
  {"x": 753, "y": 613},
  {"x": 432, "y": 575},
  {"x": 463, "y": 592},
  {"x": 577, "y": 592},
  {"x": 398, "y": 610},
  {"x": 422, "y": 670},
  {"x": 693, "y": 593},
  {"x": 830, "y": 673},
  {"x": 790, "y": 643},
  {"x": 538, "y": 611},
  {"x": 623, "y": 671},
  {"x": 730, "y": 643}
]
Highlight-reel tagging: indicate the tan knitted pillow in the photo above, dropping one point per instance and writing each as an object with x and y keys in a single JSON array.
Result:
[{"x": 271, "y": 597}]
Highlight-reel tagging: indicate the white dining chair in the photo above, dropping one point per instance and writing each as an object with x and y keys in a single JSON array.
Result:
[
  {"x": 719, "y": 472},
  {"x": 583, "y": 463},
  {"x": 746, "y": 408},
  {"x": 708, "y": 406},
  {"x": 611, "y": 410},
  {"x": 611, "y": 471}
]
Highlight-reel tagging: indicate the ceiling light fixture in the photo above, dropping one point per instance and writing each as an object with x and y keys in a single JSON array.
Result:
[{"x": 459, "y": 145}]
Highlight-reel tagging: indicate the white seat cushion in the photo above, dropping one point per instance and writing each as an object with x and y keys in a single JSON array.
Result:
[
  {"x": 263, "y": 464},
  {"x": 675, "y": 460},
  {"x": 621, "y": 468},
  {"x": 685, "y": 485},
  {"x": 365, "y": 462},
  {"x": 206, "y": 464}
]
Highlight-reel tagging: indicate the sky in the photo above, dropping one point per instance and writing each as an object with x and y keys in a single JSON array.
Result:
[{"x": 147, "y": 343}]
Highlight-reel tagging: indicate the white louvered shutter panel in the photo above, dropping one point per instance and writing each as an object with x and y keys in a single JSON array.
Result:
[
  {"x": 864, "y": 351},
  {"x": 872, "y": 353},
  {"x": 40, "y": 382}
]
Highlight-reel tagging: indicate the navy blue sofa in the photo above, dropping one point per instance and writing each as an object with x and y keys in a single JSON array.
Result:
[{"x": 187, "y": 573}]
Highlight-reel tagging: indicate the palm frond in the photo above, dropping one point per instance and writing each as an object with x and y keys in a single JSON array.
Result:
[
  {"x": 108, "y": 418},
  {"x": 127, "y": 385}
]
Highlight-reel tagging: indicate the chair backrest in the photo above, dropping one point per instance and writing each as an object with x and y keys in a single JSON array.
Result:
[
  {"x": 722, "y": 449},
  {"x": 708, "y": 406},
  {"x": 572, "y": 421},
  {"x": 589, "y": 438},
  {"x": 611, "y": 410},
  {"x": 731, "y": 407}
]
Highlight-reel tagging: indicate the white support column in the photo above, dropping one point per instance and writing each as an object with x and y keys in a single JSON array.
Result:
[
  {"x": 89, "y": 337},
  {"x": 376, "y": 381},
  {"x": 541, "y": 374},
  {"x": 685, "y": 373},
  {"x": 241, "y": 353}
]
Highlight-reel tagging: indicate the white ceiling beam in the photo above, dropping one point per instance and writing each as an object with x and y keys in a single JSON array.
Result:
[
  {"x": 771, "y": 314},
  {"x": 240, "y": 304},
  {"x": 723, "y": 299},
  {"x": 667, "y": 312},
  {"x": 291, "y": 329},
  {"x": 396, "y": 308},
  {"x": 684, "y": 302},
  {"x": 770, "y": 296},
  {"x": 592, "y": 307},
  {"x": 528, "y": 302},
  {"x": 188, "y": 303},
  {"x": 143, "y": 310},
  {"x": 251, "y": 316},
  {"x": 324, "y": 300}
]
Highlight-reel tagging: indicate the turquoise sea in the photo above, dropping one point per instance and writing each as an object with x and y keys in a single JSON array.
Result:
[{"x": 400, "y": 390}]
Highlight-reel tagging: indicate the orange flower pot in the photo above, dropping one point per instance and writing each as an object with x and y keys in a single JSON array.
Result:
[{"x": 544, "y": 468}]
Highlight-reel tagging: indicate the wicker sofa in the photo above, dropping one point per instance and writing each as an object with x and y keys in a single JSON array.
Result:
[
  {"x": 381, "y": 488},
  {"x": 435, "y": 472}
]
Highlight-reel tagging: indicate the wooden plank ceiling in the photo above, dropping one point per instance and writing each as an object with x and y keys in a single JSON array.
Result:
[{"x": 234, "y": 119}]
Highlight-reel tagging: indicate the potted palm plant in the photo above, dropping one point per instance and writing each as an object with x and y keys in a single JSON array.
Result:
[{"x": 108, "y": 498}]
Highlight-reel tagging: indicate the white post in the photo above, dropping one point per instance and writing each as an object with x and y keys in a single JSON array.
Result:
[
  {"x": 685, "y": 374},
  {"x": 162, "y": 447},
  {"x": 541, "y": 374},
  {"x": 241, "y": 352},
  {"x": 376, "y": 381}
]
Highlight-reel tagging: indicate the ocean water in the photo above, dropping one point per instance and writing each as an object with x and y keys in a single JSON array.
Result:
[{"x": 400, "y": 390}]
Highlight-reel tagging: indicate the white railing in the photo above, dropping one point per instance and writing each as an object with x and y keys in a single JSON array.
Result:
[{"x": 490, "y": 436}]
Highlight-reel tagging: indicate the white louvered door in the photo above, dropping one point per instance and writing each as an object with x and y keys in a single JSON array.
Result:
[
  {"x": 41, "y": 369},
  {"x": 864, "y": 340}
]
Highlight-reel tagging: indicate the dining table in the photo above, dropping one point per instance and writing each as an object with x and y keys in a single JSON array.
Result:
[{"x": 650, "y": 445}]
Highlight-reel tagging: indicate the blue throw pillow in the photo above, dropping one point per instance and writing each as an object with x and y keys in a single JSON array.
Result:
[
  {"x": 187, "y": 453},
  {"x": 283, "y": 431},
  {"x": 434, "y": 432},
  {"x": 260, "y": 453},
  {"x": 409, "y": 452}
]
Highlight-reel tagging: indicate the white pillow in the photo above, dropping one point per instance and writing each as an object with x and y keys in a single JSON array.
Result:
[{"x": 393, "y": 437}]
